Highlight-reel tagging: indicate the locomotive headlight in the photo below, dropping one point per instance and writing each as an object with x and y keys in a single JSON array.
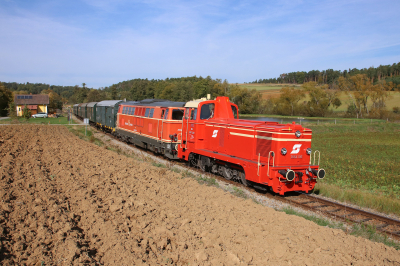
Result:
[
  {"x": 309, "y": 151},
  {"x": 298, "y": 134},
  {"x": 283, "y": 151}
]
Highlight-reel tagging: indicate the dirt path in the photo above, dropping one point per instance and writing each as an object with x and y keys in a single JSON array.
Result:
[{"x": 65, "y": 201}]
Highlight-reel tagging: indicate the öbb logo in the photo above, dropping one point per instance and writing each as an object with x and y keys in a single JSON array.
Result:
[
  {"x": 296, "y": 149},
  {"x": 215, "y": 133}
]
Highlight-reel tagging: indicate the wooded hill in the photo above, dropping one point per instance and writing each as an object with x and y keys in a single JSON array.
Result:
[{"x": 368, "y": 90}]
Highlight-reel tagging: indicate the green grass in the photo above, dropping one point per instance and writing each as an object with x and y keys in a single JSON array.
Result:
[
  {"x": 207, "y": 181},
  {"x": 362, "y": 161},
  {"x": 46, "y": 121},
  {"x": 317, "y": 220},
  {"x": 239, "y": 193},
  {"x": 362, "y": 230},
  {"x": 80, "y": 132}
]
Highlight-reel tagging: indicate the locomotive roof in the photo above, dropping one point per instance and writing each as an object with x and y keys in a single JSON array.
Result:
[
  {"x": 156, "y": 102},
  {"x": 195, "y": 103},
  {"x": 108, "y": 103},
  {"x": 92, "y": 104}
]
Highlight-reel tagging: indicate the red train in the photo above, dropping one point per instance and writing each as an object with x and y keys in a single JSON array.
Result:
[{"x": 210, "y": 135}]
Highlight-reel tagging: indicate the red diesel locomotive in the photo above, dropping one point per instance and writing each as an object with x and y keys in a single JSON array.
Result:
[{"x": 210, "y": 135}]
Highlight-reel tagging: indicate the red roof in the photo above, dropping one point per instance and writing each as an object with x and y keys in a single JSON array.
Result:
[{"x": 31, "y": 99}]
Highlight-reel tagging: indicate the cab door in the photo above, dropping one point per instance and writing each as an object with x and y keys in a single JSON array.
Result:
[{"x": 189, "y": 127}]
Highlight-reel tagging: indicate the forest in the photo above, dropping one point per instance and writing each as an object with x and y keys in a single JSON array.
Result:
[
  {"x": 318, "y": 95},
  {"x": 390, "y": 73}
]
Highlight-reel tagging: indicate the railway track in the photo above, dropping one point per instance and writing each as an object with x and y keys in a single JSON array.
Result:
[
  {"x": 347, "y": 214},
  {"x": 335, "y": 210}
]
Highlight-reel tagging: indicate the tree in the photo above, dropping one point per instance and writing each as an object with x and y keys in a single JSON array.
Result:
[
  {"x": 55, "y": 100},
  {"x": 359, "y": 88},
  {"x": 320, "y": 98},
  {"x": 26, "y": 113},
  {"x": 287, "y": 101},
  {"x": 6, "y": 96},
  {"x": 95, "y": 96},
  {"x": 12, "y": 110}
]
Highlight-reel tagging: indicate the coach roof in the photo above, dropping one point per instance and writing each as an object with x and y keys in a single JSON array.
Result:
[
  {"x": 155, "y": 102},
  {"x": 108, "y": 103},
  {"x": 92, "y": 104}
]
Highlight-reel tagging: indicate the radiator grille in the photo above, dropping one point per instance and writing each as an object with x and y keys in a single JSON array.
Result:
[
  {"x": 263, "y": 145},
  {"x": 222, "y": 137}
]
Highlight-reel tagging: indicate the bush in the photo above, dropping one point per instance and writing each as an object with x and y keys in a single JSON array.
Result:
[
  {"x": 351, "y": 111},
  {"x": 396, "y": 110}
]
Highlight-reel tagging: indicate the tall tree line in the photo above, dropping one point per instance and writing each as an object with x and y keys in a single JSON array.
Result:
[{"x": 390, "y": 73}]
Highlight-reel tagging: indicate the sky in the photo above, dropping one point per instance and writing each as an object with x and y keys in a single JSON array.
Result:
[{"x": 101, "y": 42}]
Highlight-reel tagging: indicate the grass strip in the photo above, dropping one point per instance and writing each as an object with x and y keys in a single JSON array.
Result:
[
  {"x": 39, "y": 121},
  {"x": 381, "y": 203}
]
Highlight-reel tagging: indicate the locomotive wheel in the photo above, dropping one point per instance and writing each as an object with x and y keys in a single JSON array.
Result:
[
  {"x": 204, "y": 163},
  {"x": 243, "y": 179},
  {"x": 226, "y": 172},
  {"x": 214, "y": 168}
]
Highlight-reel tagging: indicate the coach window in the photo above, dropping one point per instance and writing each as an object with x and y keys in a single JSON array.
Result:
[
  {"x": 177, "y": 114},
  {"x": 234, "y": 111},
  {"x": 207, "y": 111},
  {"x": 151, "y": 112},
  {"x": 146, "y": 114},
  {"x": 193, "y": 115}
]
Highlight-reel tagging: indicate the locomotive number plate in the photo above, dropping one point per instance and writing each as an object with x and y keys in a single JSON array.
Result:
[{"x": 297, "y": 156}]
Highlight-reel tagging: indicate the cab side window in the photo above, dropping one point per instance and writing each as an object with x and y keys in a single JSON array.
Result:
[
  {"x": 187, "y": 111},
  {"x": 234, "y": 111},
  {"x": 193, "y": 115},
  {"x": 207, "y": 111}
]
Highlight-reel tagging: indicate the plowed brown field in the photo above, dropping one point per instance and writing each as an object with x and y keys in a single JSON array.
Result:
[{"x": 66, "y": 201}]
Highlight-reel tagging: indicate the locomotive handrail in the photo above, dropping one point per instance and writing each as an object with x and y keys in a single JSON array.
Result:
[
  {"x": 273, "y": 161},
  {"x": 158, "y": 126},
  {"x": 180, "y": 144},
  {"x": 258, "y": 165},
  {"x": 319, "y": 157},
  {"x": 162, "y": 129},
  {"x": 187, "y": 128}
]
